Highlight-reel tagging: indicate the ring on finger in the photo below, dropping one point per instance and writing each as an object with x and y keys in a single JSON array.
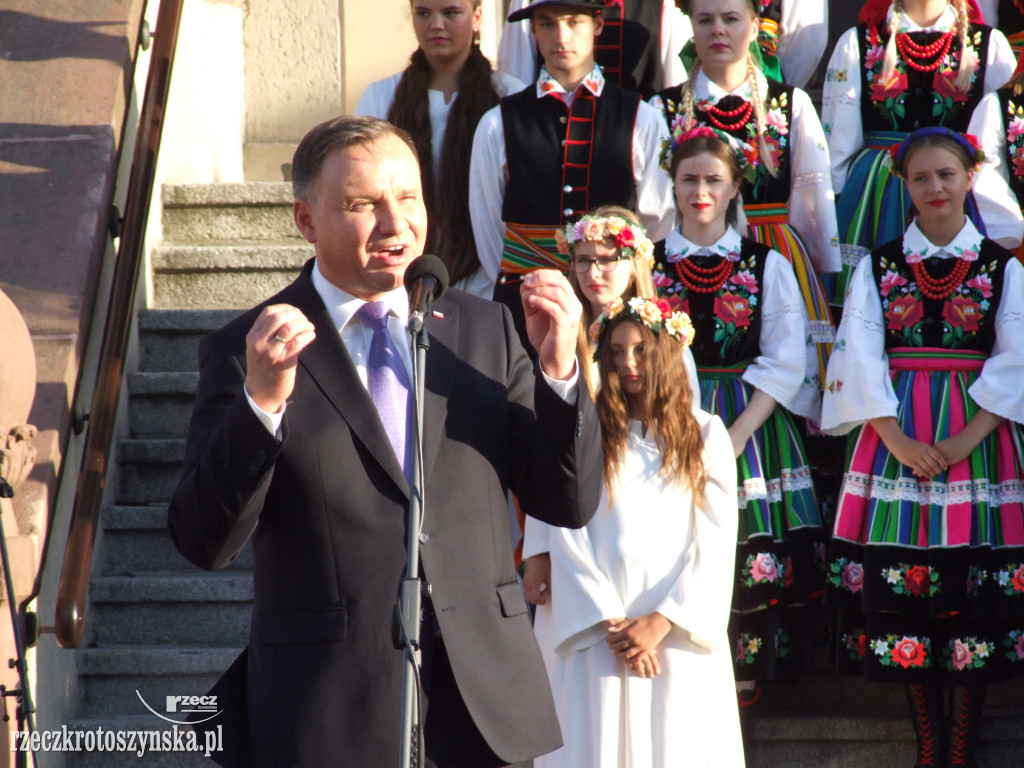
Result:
[{"x": 277, "y": 337}]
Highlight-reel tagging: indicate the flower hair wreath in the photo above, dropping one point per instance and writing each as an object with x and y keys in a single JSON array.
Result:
[
  {"x": 684, "y": 130},
  {"x": 630, "y": 238},
  {"x": 966, "y": 141},
  {"x": 656, "y": 314}
]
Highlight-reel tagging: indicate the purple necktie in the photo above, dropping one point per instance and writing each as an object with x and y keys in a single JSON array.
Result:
[{"x": 387, "y": 379}]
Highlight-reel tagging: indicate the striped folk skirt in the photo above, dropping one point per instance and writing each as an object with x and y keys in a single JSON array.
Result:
[
  {"x": 780, "y": 550},
  {"x": 872, "y": 210},
  {"x": 929, "y": 573},
  {"x": 768, "y": 224}
]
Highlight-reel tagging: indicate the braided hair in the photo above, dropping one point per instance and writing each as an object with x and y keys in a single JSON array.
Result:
[{"x": 963, "y": 28}]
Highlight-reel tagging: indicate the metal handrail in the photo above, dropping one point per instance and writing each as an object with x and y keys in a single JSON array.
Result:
[{"x": 78, "y": 552}]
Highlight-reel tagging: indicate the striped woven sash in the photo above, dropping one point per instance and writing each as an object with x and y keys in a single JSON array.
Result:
[
  {"x": 528, "y": 247},
  {"x": 935, "y": 359},
  {"x": 883, "y": 139},
  {"x": 765, "y": 213},
  {"x": 726, "y": 372}
]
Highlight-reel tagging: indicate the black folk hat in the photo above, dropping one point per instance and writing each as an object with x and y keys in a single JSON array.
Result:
[{"x": 524, "y": 14}]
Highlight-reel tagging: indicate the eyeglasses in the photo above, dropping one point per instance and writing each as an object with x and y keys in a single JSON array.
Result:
[{"x": 605, "y": 264}]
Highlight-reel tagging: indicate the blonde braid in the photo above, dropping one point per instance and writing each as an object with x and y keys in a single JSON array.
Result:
[
  {"x": 963, "y": 24},
  {"x": 687, "y": 106},
  {"x": 755, "y": 98},
  {"x": 889, "y": 63}
]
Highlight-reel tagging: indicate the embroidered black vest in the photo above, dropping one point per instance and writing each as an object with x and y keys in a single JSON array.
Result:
[
  {"x": 764, "y": 188},
  {"x": 917, "y": 99},
  {"x": 1010, "y": 107},
  {"x": 727, "y": 324},
  {"x": 563, "y": 163},
  {"x": 965, "y": 320},
  {"x": 629, "y": 47}
]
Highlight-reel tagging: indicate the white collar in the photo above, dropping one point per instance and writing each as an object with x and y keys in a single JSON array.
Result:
[
  {"x": 966, "y": 245},
  {"x": 704, "y": 89},
  {"x": 945, "y": 22},
  {"x": 342, "y": 305},
  {"x": 678, "y": 247},
  {"x": 548, "y": 86}
]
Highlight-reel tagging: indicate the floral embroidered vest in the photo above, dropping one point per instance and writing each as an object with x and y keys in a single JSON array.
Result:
[
  {"x": 965, "y": 320},
  {"x": 1012, "y": 108},
  {"x": 779, "y": 116},
  {"x": 912, "y": 98},
  {"x": 727, "y": 323}
]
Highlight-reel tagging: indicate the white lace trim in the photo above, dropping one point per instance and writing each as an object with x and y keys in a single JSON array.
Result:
[
  {"x": 844, "y": 97},
  {"x": 852, "y": 254},
  {"x": 807, "y": 179},
  {"x": 869, "y": 323},
  {"x": 942, "y": 494},
  {"x": 785, "y": 309},
  {"x": 1009, "y": 316},
  {"x": 792, "y": 480},
  {"x": 822, "y": 332}
]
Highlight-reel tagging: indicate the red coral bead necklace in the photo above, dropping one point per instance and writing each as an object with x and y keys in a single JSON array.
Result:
[
  {"x": 916, "y": 55},
  {"x": 703, "y": 279},
  {"x": 939, "y": 289}
]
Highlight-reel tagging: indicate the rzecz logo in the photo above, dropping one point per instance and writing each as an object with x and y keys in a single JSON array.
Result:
[{"x": 186, "y": 705}]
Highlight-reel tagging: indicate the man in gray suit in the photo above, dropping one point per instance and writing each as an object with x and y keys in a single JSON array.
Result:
[{"x": 287, "y": 445}]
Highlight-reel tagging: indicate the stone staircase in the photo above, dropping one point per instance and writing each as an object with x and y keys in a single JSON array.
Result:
[{"x": 160, "y": 626}]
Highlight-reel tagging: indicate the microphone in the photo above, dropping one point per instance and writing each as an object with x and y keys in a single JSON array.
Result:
[{"x": 426, "y": 279}]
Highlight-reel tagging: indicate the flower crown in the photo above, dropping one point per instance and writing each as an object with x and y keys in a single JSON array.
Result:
[
  {"x": 684, "y": 129},
  {"x": 656, "y": 314},
  {"x": 966, "y": 141},
  {"x": 630, "y": 238}
]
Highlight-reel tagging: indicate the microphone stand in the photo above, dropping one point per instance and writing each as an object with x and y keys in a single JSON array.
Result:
[{"x": 413, "y": 588}]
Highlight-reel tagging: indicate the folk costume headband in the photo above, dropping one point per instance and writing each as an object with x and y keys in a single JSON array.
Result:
[
  {"x": 746, "y": 154},
  {"x": 630, "y": 238},
  {"x": 656, "y": 314},
  {"x": 967, "y": 142},
  {"x": 526, "y": 13}
]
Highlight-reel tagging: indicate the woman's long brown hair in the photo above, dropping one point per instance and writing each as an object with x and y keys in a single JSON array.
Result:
[
  {"x": 446, "y": 189},
  {"x": 668, "y": 405}
]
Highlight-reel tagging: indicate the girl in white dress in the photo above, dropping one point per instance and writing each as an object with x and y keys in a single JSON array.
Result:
[
  {"x": 439, "y": 99},
  {"x": 642, "y": 675}
]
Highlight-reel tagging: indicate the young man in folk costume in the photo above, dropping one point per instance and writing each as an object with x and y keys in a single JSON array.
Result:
[
  {"x": 637, "y": 49},
  {"x": 547, "y": 155}
]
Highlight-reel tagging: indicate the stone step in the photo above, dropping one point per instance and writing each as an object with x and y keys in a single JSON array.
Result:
[
  {"x": 109, "y": 677},
  {"x": 169, "y": 338},
  {"x": 136, "y": 542},
  {"x": 224, "y": 276},
  {"x": 152, "y": 758},
  {"x": 160, "y": 403},
  {"x": 171, "y": 608},
  {"x": 204, "y": 213},
  {"x": 149, "y": 469},
  {"x": 874, "y": 742}
]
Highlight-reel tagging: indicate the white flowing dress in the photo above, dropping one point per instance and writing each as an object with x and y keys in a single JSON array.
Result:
[{"x": 651, "y": 548}]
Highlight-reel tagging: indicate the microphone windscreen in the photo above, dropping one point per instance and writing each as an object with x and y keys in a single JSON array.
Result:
[{"x": 427, "y": 265}]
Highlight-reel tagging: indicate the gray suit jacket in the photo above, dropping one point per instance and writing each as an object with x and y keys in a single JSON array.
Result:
[{"x": 320, "y": 683}]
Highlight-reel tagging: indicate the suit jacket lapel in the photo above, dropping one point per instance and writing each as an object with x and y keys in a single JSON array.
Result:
[
  {"x": 442, "y": 359},
  {"x": 329, "y": 365}
]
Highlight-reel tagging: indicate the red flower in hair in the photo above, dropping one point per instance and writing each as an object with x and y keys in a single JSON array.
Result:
[
  {"x": 626, "y": 238},
  {"x": 664, "y": 306}
]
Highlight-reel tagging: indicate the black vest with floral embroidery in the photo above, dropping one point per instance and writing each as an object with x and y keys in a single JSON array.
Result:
[
  {"x": 727, "y": 323},
  {"x": 1011, "y": 106},
  {"x": 779, "y": 114},
  {"x": 964, "y": 320},
  {"x": 913, "y": 98}
]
